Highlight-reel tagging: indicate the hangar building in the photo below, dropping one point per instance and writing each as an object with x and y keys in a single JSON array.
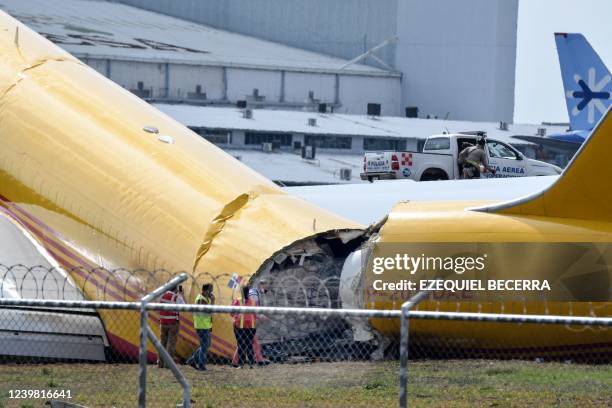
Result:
[
  {"x": 162, "y": 58},
  {"x": 457, "y": 58}
]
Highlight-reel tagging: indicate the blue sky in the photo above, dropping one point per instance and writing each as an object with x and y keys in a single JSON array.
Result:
[{"x": 538, "y": 91}]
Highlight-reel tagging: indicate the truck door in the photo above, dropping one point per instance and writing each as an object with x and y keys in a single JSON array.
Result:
[{"x": 505, "y": 160}]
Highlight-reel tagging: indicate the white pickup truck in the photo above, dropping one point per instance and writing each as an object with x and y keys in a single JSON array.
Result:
[{"x": 438, "y": 161}]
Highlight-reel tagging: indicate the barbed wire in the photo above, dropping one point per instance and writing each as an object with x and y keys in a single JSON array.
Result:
[
  {"x": 288, "y": 290},
  {"x": 40, "y": 282}
]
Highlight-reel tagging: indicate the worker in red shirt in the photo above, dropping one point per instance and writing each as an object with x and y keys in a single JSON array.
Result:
[{"x": 169, "y": 322}]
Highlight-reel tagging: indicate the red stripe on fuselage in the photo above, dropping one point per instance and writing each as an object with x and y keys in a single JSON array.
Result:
[{"x": 52, "y": 246}]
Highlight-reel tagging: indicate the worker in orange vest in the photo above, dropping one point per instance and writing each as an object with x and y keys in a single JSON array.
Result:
[
  {"x": 244, "y": 329},
  {"x": 169, "y": 322},
  {"x": 255, "y": 294}
]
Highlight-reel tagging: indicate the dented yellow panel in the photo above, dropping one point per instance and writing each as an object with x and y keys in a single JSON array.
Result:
[{"x": 79, "y": 172}]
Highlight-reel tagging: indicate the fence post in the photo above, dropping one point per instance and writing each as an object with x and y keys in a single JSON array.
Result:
[
  {"x": 164, "y": 355},
  {"x": 142, "y": 358},
  {"x": 403, "y": 398},
  {"x": 144, "y": 329},
  {"x": 404, "y": 331}
]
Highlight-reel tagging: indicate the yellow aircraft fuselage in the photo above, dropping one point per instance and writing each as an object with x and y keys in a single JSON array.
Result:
[
  {"x": 108, "y": 184},
  {"x": 431, "y": 224}
]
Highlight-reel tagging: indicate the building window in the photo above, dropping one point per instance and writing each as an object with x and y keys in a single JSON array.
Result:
[
  {"x": 381, "y": 143},
  {"x": 328, "y": 142},
  {"x": 216, "y": 136},
  {"x": 257, "y": 138}
]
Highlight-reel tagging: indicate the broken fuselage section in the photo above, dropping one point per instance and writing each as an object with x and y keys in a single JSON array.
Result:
[{"x": 318, "y": 272}]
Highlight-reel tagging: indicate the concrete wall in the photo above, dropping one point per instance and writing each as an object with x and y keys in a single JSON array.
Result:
[
  {"x": 458, "y": 57},
  {"x": 297, "y": 86},
  {"x": 151, "y": 75},
  {"x": 233, "y": 84},
  {"x": 240, "y": 82},
  {"x": 100, "y": 65},
  {"x": 184, "y": 79},
  {"x": 344, "y": 28},
  {"x": 356, "y": 93}
]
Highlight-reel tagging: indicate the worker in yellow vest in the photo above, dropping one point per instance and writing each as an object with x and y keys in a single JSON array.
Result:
[{"x": 202, "y": 323}]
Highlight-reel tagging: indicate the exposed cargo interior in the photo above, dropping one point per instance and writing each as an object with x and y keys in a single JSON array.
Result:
[{"x": 309, "y": 273}]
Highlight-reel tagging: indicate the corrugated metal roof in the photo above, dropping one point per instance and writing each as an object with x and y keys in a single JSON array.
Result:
[
  {"x": 340, "y": 124},
  {"x": 100, "y": 29}
]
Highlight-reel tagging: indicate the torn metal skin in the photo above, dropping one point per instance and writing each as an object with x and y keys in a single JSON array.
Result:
[{"x": 80, "y": 173}]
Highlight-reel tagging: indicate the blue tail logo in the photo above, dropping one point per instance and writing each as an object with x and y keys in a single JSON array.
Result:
[
  {"x": 587, "y": 81},
  {"x": 590, "y": 94}
]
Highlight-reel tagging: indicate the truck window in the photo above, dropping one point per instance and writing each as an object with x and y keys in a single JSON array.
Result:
[
  {"x": 437, "y": 143},
  {"x": 500, "y": 150}
]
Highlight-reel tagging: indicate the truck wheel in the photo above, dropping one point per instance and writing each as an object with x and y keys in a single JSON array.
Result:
[
  {"x": 371, "y": 179},
  {"x": 434, "y": 175}
]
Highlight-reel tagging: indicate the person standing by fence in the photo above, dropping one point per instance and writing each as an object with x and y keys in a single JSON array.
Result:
[
  {"x": 169, "y": 322},
  {"x": 244, "y": 329},
  {"x": 255, "y": 294},
  {"x": 202, "y": 322}
]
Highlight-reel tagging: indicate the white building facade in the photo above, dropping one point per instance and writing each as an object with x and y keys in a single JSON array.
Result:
[{"x": 457, "y": 58}]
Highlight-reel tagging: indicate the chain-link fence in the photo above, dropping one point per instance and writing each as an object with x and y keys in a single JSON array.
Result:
[{"x": 87, "y": 352}]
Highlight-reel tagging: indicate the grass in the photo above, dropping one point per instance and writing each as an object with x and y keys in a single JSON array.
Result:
[{"x": 457, "y": 383}]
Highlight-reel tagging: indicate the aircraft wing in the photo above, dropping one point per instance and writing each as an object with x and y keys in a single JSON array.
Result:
[
  {"x": 550, "y": 143},
  {"x": 368, "y": 203}
]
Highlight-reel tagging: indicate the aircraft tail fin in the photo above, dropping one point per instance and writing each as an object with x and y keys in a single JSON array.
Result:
[
  {"x": 586, "y": 80},
  {"x": 582, "y": 191}
]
